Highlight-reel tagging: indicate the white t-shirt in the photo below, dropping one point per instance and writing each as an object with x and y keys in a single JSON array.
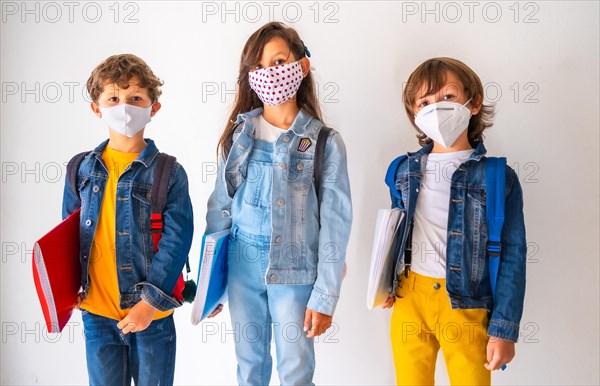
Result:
[
  {"x": 431, "y": 214},
  {"x": 266, "y": 131}
]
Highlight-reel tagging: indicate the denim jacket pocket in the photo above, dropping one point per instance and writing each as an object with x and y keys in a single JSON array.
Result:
[{"x": 301, "y": 172}]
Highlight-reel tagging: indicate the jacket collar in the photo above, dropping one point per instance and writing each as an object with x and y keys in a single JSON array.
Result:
[
  {"x": 479, "y": 152},
  {"x": 299, "y": 126},
  {"x": 146, "y": 156}
]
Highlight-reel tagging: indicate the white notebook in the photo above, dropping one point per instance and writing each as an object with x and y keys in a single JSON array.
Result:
[
  {"x": 212, "y": 275},
  {"x": 382, "y": 256}
]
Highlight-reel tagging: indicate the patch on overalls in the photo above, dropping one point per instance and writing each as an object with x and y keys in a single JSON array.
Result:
[{"x": 304, "y": 144}]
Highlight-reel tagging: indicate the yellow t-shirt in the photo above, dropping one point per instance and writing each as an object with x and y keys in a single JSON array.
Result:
[{"x": 103, "y": 294}]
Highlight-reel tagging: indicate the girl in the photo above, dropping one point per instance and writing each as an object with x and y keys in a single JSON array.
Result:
[
  {"x": 288, "y": 241},
  {"x": 444, "y": 296}
]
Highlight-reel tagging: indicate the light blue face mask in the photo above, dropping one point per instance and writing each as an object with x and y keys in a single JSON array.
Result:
[
  {"x": 444, "y": 121},
  {"x": 126, "y": 119}
]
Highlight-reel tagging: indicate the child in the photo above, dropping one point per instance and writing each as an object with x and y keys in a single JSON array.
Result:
[
  {"x": 127, "y": 298},
  {"x": 444, "y": 298},
  {"x": 288, "y": 239}
]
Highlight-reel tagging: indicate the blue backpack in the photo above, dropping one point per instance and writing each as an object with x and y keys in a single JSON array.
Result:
[{"x": 495, "y": 185}]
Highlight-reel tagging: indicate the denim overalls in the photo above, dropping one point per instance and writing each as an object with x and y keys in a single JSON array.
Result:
[{"x": 254, "y": 305}]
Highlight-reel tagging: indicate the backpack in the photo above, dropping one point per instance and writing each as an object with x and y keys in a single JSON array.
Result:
[
  {"x": 184, "y": 290},
  {"x": 495, "y": 185}
]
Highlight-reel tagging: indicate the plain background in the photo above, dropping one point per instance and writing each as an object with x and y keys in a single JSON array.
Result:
[{"x": 539, "y": 62}]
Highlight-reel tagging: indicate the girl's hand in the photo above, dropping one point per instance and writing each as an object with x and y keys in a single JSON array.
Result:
[
  {"x": 216, "y": 311},
  {"x": 316, "y": 323},
  {"x": 389, "y": 302},
  {"x": 499, "y": 353},
  {"x": 139, "y": 318}
]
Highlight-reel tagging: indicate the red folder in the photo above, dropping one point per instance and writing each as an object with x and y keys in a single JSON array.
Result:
[{"x": 57, "y": 272}]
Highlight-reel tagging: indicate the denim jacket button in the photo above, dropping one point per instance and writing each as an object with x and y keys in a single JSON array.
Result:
[
  {"x": 282, "y": 166},
  {"x": 272, "y": 278},
  {"x": 96, "y": 188},
  {"x": 281, "y": 202},
  {"x": 286, "y": 139},
  {"x": 278, "y": 239},
  {"x": 88, "y": 222},
  {"x": 299, "y": 166}
]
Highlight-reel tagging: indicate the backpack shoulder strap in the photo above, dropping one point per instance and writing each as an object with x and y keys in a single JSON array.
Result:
[
  {"x": 495, "y": 186},
  {"x": 73, "y": 169},
  {"x": 158, "y": 194},
  {"x": 390, "y": 176},
  {"x": 320, "y": 159},
  {"x": 160, "y": 186},
  {"x": 158, "y": 200}
]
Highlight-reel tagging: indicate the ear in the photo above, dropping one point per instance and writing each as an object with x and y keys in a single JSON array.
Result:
[
  {"x": 155, "y": 107},
  {"x": 305, "y": 64},
  {"x": 95, "y": 109},
  {"x": 476, "y": 106}
]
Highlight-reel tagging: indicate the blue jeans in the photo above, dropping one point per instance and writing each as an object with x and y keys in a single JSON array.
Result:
[
  {"x": 260, "y": 312},
  {"x": 147, "y": 357}
]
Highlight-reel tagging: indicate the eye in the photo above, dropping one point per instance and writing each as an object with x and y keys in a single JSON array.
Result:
[
  {"x": 135, "y": 99},
  {"x": 257, "y": 67},
  {"x": 113, "y": 99},
  {"x": 448, "y": 97},
  {"x": 423, "y": 104},
  {"x": 279, "y": 62}
]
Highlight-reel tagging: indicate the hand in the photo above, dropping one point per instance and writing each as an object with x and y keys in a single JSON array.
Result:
[
  {"x": 389, "y": 302},
  {"x": 499, "y": 353},
  {"x": 79, "y": 300},
  {"x": 216, "y": 311},
  {"x": 138, "y": 319},
  {"x": 316, "y": 323}
]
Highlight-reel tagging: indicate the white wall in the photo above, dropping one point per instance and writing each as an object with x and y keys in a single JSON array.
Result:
[{"x": 543, "y": 75}]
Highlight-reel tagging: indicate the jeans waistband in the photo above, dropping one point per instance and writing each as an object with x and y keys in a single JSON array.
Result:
[{"x": 416, "y": 280}]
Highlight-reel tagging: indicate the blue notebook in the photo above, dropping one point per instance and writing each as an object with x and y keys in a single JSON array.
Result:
[{"x": 212, "y": 275}]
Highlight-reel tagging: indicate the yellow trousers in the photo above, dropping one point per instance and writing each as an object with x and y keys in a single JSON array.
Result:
[{"x": 423, "y": 322}]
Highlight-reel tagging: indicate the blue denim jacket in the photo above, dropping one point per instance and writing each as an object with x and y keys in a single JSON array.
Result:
[
  {"x": 140, "y": 272},
  {"x": 303, "y": 249},
  {"x": 467, "y": 271}
]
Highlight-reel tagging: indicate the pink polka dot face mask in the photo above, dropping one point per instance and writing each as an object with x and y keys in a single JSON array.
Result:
[{"x": 277, "y": 84}]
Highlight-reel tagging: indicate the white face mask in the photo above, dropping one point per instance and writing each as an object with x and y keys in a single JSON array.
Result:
[
  {"x": 444, "y": 121},
  {"x": 277, "y": 84},
  {"x": 126, "y": 119}
]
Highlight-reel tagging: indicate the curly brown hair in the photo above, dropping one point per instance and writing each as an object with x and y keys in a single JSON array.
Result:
[
  {"x": 120, "y": 69},
  {"x": 432, "y": 74}
]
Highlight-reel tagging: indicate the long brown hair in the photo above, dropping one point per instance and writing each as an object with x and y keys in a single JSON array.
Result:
[
  {"x": 432, "y": 74},
  {"x": 246, "y": 99}
]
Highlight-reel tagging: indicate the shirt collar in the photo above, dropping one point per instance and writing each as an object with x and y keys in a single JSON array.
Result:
[
  {"x": 146, "y": 156},
  {"x": 479, "y": 151},
  {"x": 299, "y": 125}
]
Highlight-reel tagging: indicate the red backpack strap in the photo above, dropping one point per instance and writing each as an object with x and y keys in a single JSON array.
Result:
[
  {"x": 158, "y": 195},
  {"x": 158, "y": 200}
]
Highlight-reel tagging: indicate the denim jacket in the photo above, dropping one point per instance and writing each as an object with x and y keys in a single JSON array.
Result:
[
  {"x": 141, "y": 273},
  {"x": 467, "y": 270},
  {"x": 306, "y": 247}
]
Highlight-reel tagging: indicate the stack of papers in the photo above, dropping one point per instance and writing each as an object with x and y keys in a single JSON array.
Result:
[{"x": 382, "y": 256}]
